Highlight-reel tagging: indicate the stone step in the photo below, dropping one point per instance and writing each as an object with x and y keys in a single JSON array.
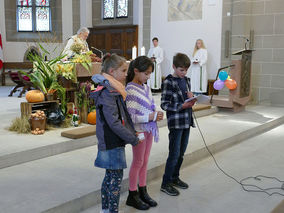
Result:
[
  {"x": 212, "y": 191},
  {"x": 68, "y": 182},
  {"x": 38, "y": 147}
]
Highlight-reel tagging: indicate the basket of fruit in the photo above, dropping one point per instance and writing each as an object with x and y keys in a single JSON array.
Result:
[
  {"x": 38, "y": 122},
  {"x": 95, "y": 58}
]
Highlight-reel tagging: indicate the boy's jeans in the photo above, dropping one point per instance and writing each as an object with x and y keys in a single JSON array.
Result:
[{"x": 178, "y": 140}]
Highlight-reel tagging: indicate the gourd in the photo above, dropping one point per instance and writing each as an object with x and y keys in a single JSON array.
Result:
[
  {"x": 92, "y": 117},
  {"x": 34, "y": 96}
]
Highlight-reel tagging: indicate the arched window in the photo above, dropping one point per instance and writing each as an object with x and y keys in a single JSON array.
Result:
[
  {"x": 33, "y": 15},
  {"x": 115, "y": 8}
]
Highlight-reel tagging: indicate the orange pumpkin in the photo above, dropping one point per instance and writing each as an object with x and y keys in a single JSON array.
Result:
[
  {"x": 34, "y": 96},
  {"x": 92, "y": 117}
]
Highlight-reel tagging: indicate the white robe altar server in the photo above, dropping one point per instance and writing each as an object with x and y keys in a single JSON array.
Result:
[
  {"x": 157, "y": 56},
  {"x": 198, "y": 73}
]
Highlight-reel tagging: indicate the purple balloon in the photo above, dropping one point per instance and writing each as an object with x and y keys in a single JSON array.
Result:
[{"x": 218, "y": 84}]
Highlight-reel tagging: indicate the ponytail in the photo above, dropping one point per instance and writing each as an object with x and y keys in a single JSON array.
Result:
[{"x": 130, "y": 72}]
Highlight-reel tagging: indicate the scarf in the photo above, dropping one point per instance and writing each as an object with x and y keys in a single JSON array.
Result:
[
  {"x": 116, "y": 85},
  {"x": 150, "y": 126}
]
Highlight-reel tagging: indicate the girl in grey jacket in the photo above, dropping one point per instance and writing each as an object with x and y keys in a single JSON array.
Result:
[{"x": 114, "y": 128}]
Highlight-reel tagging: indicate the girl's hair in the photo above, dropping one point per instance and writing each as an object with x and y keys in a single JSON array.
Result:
[
  {"x": 112, "y": 61},
  {"x": 141, "y": 63},
  {"x": 195, "y": 47}
]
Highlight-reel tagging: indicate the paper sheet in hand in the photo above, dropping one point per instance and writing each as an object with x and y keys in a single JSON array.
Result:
[
  {"x": 201, "y": 99},
  {"x": 190, "y": 99}
]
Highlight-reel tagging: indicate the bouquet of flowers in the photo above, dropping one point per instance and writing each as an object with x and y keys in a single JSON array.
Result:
[
  {"x": 66, "y": 71},
  {"x": 83, "y": 94},
  {"x": 84, "y": 60},
  {"x": 77, "y": 47}
]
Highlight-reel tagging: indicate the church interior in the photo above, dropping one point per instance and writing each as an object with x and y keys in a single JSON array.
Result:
[{"x": 51, "y": 49}]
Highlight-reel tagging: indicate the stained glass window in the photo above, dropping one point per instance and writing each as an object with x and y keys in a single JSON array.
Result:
[
  {"x": 122, "y": 8},
  {"x": 33, "y": 15},
  {"x": 22, "y": 3},
  {"x": 25, "y": 19},
  {"x": 25, "y": 16},
  {"x": 42, "y": 2},
  {"x": 108, "y": 9},
  {"x": 42, "y": 15},
  {"x": 42, "y": 19}
]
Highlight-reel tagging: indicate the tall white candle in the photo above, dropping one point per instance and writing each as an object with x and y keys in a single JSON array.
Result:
[
  {"x": 143, "y": 50},
  {"x": 134, "y": 52}
]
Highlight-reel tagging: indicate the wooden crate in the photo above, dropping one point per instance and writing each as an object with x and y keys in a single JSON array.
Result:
[{"x": 28, "y": 108}]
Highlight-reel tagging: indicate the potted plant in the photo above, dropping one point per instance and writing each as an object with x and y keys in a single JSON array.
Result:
[
  {"x": 66, "y": 74},
  {"x": 44, "y": 76}
]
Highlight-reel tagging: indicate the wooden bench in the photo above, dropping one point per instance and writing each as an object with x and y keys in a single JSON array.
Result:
[
  {"x": 14, "y": 65},
  {"x": 20, "y": 81}
]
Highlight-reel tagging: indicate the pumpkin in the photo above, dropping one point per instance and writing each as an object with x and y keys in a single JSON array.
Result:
[
  {"x": 34, "y": 96},
  {"x": 92, "y": 117}
]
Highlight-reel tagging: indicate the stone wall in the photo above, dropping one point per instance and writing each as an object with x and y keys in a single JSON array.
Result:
[
  {"x": 265, "y": 19},
  {"x": 76, "y": 15},
  {"x": 147, "y": 24}
]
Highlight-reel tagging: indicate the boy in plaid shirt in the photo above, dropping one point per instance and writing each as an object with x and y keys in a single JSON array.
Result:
[{"x": 175, "y": 90}]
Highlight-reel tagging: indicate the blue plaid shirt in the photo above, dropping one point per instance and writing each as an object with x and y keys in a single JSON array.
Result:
[{"x": 172, "y": 100}]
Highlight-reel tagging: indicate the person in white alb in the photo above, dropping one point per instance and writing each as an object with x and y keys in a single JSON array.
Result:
[
  {"x": 80, "y": 38},
  {"x": 198, "y": 73},
  {"x": 157, "y": 56}
]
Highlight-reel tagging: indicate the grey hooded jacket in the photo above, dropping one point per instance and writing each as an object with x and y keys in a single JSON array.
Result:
[{"x": 114, "y": 127}]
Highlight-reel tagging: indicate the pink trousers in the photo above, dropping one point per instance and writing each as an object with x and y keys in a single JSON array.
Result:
[{"x": 138, "y": 169}]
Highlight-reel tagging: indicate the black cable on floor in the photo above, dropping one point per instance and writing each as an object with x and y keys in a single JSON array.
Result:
[{"x": 246, "y": 187}]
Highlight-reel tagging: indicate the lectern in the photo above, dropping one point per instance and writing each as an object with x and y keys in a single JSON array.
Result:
[{"x": 241, "y": 73}]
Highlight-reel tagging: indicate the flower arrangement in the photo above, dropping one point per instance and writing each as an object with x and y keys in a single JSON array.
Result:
[
  {"x": 44, "y": 76},
  {"x": 66, "y": 71},
  {"x": 83, "y": 59},
  {"x": 83, "y": 100},
  {"x": 83, "y": 95},
  {"x": 77, "y": 47}
]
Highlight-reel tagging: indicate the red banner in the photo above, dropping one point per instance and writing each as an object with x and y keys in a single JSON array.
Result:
[{"x": 1, "y": 53}]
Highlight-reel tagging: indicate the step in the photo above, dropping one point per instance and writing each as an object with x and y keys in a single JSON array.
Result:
[
  {"x": 210, "y": 191},
  {"x": 68, "y": 182},
  {"x": 17, "y": 149}
]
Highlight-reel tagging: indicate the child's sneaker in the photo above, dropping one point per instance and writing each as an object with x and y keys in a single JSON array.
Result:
[
  {"x": 180, "y": 184},
  {"x": 169, "y": 189}
]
